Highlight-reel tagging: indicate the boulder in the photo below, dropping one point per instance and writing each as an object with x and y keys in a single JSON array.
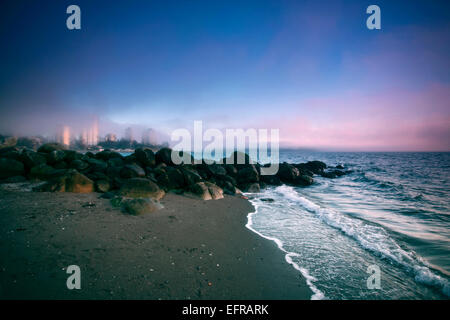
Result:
[
  {"x": 164, "y": 155},
  {"x": 271, "y": 179},
  {"x": 14, "y": 155},
  {"x": 141, "y": 188},
  {"x": 216, "y": 169},
  {"x": 190, "y": 176},
  {"x": 102, "y": 186},
  {"x": 132, "y": 171},
  {"x": 45, "y": 172},
  {"x": 72, "y": 181},
  {"x": 130, "y": 159},
  {"x": 32, "y": 159},
  {"x": 205, "y": 191},
  {"x": 287, "y": 172},
  {"x": 303, "y": 180},
  {"x": 71, "y": 155},
  {"x": 115, "y": 162},
  {"x": 171, "y": 179},
  {"x": 14, "y": 179},
  {"x": 10, "y": 168},
  {"x": 55, "y": 156},
  {"x": 49, "y": 147},
  {"x": 96, "y": 165},
  {"x": 253, "y": 188},
  {"x": 238, "y": 159},
  {"x": 60, "y": 165},
  {"x": 247, "y": 174},
  {"x": 315, "y": 167},
  {"x": 140, "y": 206},
  {"x": 231, "y": 170},
  {"x": 105, "y": 155},
  {"x": 146, "y": 157},
  {"x": 79, "y": 165},
  {"x": 7, "y": 149}
]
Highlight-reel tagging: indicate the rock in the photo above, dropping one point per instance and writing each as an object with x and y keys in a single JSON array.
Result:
[
  {"x": 115, "y": 162},
  {"x": 55, "y": 156},
  {"x": 271, "y": 179},
  {"x": 79, "y": 165},
  {"x": 49, "y": 147},
  {"x": 141, "y": 188},
  {"x": 253, "y": 188},
  {"x": 105, "y": 155},
  {"x": 164, "y": 155},
  {"x": 107, "y": 195},
  {"x": 6, "y": 142},
  {"x": 303, "y": 180},
  {"x": 146, "y": 157},
  {"x": 102, "y": 186},
  {"x": 32, "y": 159},
  {"x": 14, "y": 179},
  {"x": 10, "y": 168},
  {"x": 287, "y": 172},
  {"x": 97, "y": 176},
  {"x": 247, "y": 174},
  {"x": 71, "y": 155},
  {"x": 130, "y": 159},
  {"x": 96, "y": 165},
  {"x": 339, "y": 166},
  {"x": 315, "y": 167},
  {"x": 205, "y": 191},
  {"x": 216, "y": 169},
  {"x": 44, "y": 172},
  {"x": 140, "y": 206},
  {"x": 14, "y": 155},
  {"x": 267, "y": 200},
  {"x": 171, "y": 179},
  {"x": 7, "y": 149},
  {"x": 228, "y": 188},
  {"x": 238, "y": 159},
  {"x": 231, "y": 170},
  {"x": 72, "y": 181},
  {"x": 132, "y": 171},
  {"x": 113, "y": 172},
  {"x": 60, "y": 165}
]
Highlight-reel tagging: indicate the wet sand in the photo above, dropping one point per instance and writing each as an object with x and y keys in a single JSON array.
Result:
[{"x": 191, "y": 249}]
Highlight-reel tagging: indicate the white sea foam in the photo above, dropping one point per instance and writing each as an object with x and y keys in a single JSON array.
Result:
[
  {"x": 371, "y": 237},
  {"x": 317, "y": 294}
]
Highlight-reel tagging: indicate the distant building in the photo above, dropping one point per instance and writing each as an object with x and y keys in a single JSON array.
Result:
[
  {"x": 63, "y": 136},
  {"x": 110, "y": 137},
  {"x": 89, "y": 137},
  {"x": 150, "y": 137},
  {"x": 128, "y": 134}
]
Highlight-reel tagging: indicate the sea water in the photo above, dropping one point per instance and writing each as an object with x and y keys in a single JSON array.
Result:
[{"x": 392, "y": 211}]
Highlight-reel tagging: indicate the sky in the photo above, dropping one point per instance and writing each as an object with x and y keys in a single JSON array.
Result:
[{"x": 311, "y": 69}]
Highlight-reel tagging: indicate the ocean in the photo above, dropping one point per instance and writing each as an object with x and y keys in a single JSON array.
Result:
[{"x": 392, "y": 211}]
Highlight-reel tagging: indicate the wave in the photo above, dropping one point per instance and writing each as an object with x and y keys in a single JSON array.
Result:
[
  {"x": 317, "y": 294},
  {"x": 373, "y": 238}
]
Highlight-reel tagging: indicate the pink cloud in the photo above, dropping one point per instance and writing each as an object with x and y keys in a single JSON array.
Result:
[{"x": 391, "y": 120}]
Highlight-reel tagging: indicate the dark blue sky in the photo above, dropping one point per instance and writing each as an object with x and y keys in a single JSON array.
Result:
[{"x": 294, "y": 65}]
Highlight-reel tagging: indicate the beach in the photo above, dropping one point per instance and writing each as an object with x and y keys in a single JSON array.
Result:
[{"x": 190, "y": 249}]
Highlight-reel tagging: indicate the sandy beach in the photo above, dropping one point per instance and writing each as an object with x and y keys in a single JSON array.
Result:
[{"x": 191, "y": 249}]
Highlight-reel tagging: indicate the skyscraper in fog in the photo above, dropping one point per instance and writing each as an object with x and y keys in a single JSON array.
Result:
[
  {"x": 150, "y": 137},
  {"x": 128, "y": 134},
  {"x": 63, "y": 135}
]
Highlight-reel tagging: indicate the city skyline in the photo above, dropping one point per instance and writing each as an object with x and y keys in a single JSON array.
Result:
[{"x": 309, "y": 68}]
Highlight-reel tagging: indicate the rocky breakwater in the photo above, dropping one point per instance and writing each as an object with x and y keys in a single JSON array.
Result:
[{"x": 138, "y": 181}]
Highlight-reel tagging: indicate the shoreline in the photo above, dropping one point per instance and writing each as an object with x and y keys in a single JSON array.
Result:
[
  {"x": 317, "y": 294},
  {"x": 191, "y": 249}
]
